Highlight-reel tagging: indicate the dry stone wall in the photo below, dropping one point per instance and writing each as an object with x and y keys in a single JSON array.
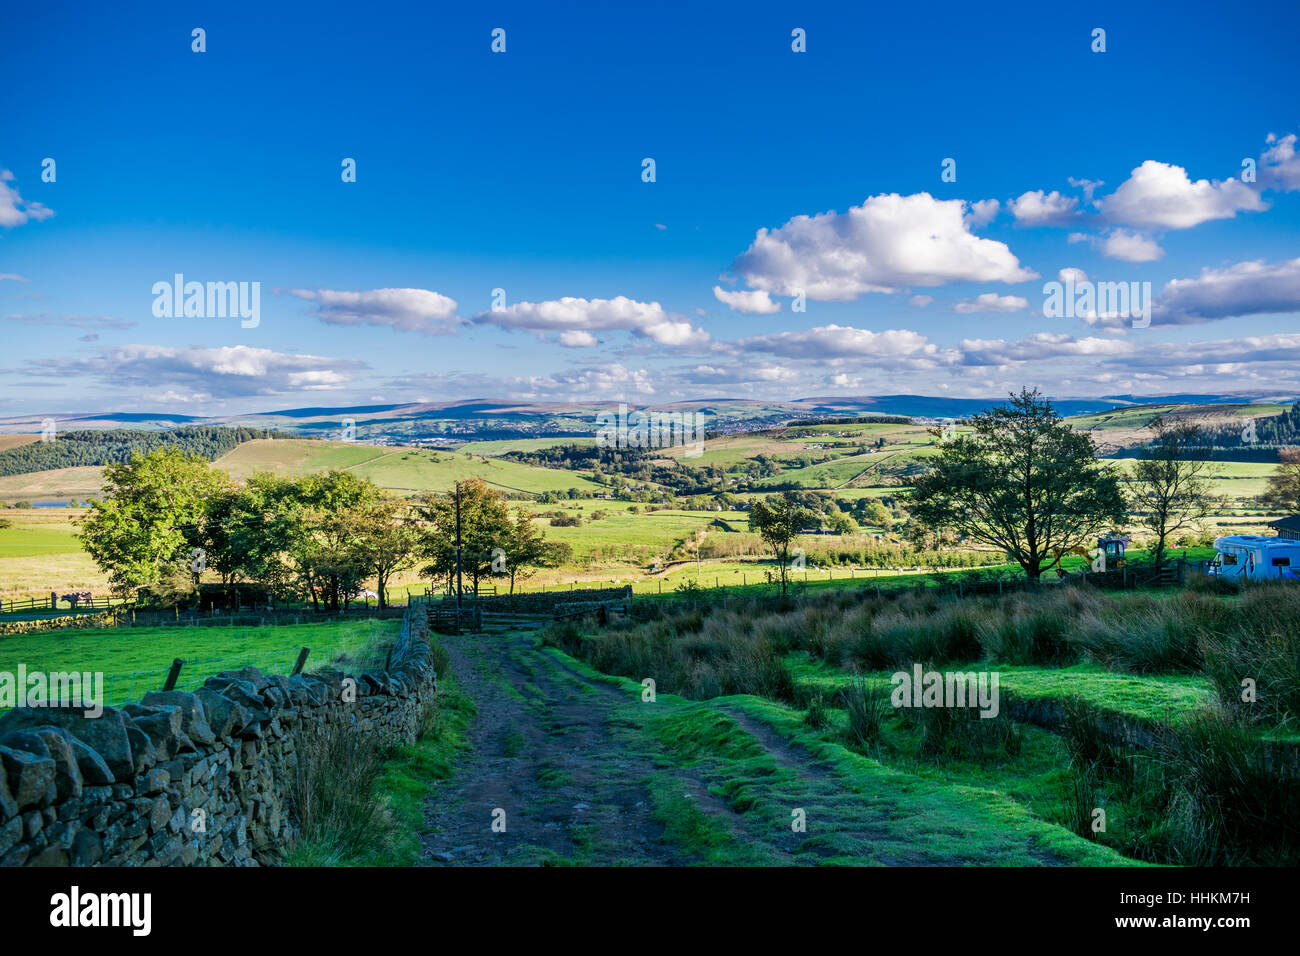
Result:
[{"x": 191, "y": 779}]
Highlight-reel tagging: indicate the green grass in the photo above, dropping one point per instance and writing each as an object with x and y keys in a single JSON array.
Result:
[
  {"x": 859, "y": 811},
  {"x": 29, "y": 540},
  {"x": 148, "y": 651},
  {"x": 1165, "y": 698}
]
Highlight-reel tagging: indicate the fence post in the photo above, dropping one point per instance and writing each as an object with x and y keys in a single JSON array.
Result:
[
  {"x": 173, "y": 674},
  {"x": 300, "y": 662}
]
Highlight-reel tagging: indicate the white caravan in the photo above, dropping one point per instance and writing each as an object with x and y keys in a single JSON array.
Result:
[{"x": 1256, "y": 558}]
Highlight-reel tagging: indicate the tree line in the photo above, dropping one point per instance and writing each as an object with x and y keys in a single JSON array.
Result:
[
  {"x": 168, "y": 521},
  {"x": 83, "y": 447},
  {"x": 1027, "y": 483}
]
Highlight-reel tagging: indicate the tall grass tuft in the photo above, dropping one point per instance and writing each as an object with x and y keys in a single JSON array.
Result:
[
  {"x": 868, "y": 707},
  {"x": 333, "y": 794}
]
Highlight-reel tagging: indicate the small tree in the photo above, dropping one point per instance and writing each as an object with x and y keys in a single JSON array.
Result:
[
  {"x": 1170, "y": 490},
  {"x": 1023, "y": 481},
  {"x": 527, "y": 549},
  {"x": 778, "y": 520},
  {"x": 140, "y": 532},
  {"x": 388, "y": 542},
  {"x": 1283, "y": 491}
]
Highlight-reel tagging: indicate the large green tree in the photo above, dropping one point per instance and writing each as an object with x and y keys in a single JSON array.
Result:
[
  {"x": 1023, "y": 481},
  {"x": 485, "y": 526},
  {"x": 141, "y": 531}
]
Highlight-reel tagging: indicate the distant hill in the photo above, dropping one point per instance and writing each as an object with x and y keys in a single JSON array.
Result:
[{"x": 486, "y": 419}]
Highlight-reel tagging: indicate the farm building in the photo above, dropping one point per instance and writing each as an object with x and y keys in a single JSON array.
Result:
[{"x": 1288, "y": 529}]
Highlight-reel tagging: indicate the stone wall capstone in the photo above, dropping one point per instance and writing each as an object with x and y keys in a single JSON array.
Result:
[{"x": 191, "y": 779}]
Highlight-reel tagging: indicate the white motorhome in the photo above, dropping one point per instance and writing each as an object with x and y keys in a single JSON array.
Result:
[{"x": 1256, "y": 558}]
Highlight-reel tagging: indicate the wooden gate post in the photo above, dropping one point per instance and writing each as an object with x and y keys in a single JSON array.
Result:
[{"x": 173, "y": 674}]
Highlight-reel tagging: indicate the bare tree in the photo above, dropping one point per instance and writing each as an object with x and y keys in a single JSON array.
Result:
[{"x": 1170, "y": 488}]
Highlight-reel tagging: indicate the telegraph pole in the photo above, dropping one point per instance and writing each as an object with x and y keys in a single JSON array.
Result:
[{"x": 458, "y": 585}]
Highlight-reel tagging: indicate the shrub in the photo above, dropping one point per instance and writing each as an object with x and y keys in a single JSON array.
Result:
[{"x": 868, "y": 707}]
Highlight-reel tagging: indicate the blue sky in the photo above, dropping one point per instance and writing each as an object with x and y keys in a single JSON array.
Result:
[{"x": 522, "y": 171}]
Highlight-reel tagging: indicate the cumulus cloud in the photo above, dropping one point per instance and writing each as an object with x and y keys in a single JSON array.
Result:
[
  {"x": 1037, "y": 208},
  {"x": 832, "y": 342},
  {"x": 646, "y": 319},
  {"x": 920, "y": 301},
  {"x": 991, "y": 302},
  {"x": 406, "y": 310},
  {"x": 1224, "y": 354},
  {"x": 1037, "y": 347},
  {"x": 578, "y": 339},
  {"x": 750, "y": 303},
  {"x": 888, "y": 242},
  {"x": 14, "y": 210},
  {"x": 1247, "y": 288},
  {"x": 1279, "y": 166},
  {"x": 982, "y": 213},
  {"x": 1071, "y": 274},
  {"x": 1161, "y": 196},
  {"x": 228, "y": 371},
  {"x": 746, "y": 374},
  {"x": 1122, "y": 244},
  {"x": 1130, "y": 247}
]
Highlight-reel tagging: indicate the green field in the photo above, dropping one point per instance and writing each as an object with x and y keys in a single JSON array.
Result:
[
  {"x": 505, "y": 445},
  {"x": 138, "y": 658},
  {"x": 398, "y": 469}
]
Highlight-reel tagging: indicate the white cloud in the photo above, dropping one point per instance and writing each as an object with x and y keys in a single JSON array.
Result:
[
  {"x": 831, "y": 342},
  {"x": 1121, "y": 244},
  {"x": 750, "y": 303},
  {"x": 1037, "y": 208},
  {"x": 1130, "y": 247},
  {"x": 646, "y": 319},
  {"x": 1037, "y": 347},
  {"x": 1279, "y": 166},
  {"x": 982, "y": 213},
  {"x": 1089, "y": 186},
  {"x": 1071, "y": 274},
  {"x": 991, "y": 302},
  {"x": 228, "y": 371},
  {"x": 14, "y": 210},
  {"x": 12, "y": 276},
  {"x": 406, "y": 310},
  {"x": 920, "y": 301},
  {"x": 745, "y": 374},
  {"x": 1161, "y": 196},
  {"x": 1247, "y": 288},
  {"x": 578, "y": 339},
  {"x": 890, "y": 241}
]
